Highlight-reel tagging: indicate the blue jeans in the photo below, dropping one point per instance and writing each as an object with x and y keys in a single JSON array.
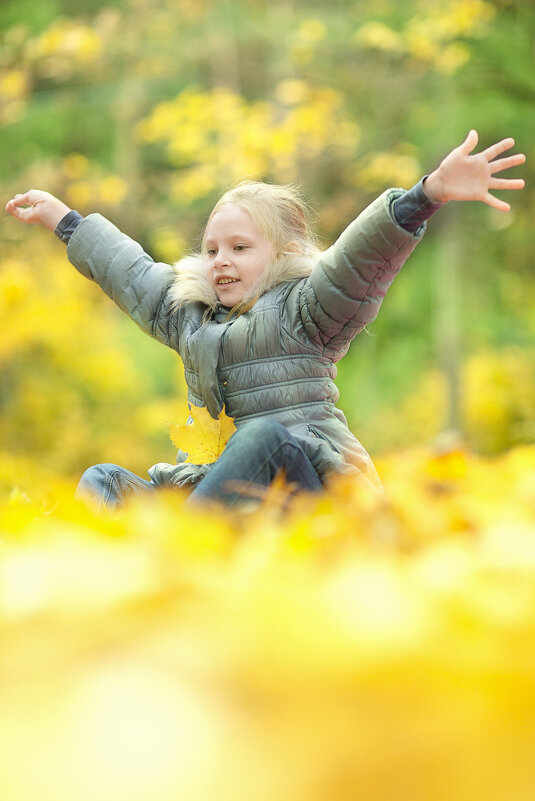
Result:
[{"x": 254, "y": 455}]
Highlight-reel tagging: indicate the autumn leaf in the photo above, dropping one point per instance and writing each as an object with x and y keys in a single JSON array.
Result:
[{"x": 205, "y": 439}]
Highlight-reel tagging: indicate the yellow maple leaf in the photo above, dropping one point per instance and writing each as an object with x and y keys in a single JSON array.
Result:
[{"x": 205, "y": 439}]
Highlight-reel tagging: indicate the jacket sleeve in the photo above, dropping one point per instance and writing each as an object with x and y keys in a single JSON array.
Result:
[
  {"x": 128, "y": 275},
  {"x": 346, "y": 287}
]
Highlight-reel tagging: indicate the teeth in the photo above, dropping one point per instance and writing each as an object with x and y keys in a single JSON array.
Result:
[{"x": 227, "y": 280}]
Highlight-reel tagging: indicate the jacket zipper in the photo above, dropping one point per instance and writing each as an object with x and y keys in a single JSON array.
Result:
[{"x": 319, "y": 435}]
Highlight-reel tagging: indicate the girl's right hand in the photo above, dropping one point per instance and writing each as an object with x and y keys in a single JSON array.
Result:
[{"x": 37, "y": 206}]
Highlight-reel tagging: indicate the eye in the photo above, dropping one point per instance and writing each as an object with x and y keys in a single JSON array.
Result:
[
  {"x": 211, "y": 251},
  {"x": 240, "y": 248}
]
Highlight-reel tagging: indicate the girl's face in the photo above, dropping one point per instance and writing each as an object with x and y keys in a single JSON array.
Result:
[{"x": 235, "y": 252}]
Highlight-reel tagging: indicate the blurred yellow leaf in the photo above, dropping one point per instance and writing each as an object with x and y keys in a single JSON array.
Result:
[
  {"x": 75, "y": 166},
  {"x": 79, "y": 194},
  {"x": 312, "y": 30},
  {"x": 291, "y": 92},
  {"x": 377, "y": 35},
  {"x": 13, "y": 84},
  {"x": 205, "y": 439}
]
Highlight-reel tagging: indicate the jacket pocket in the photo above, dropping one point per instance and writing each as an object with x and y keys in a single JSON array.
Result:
[{"x": 320, "y": 435}]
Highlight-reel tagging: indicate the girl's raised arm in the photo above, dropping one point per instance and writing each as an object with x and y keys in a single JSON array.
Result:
[
  {"x": 38, "y": 207},
  {"x": 464, "y": 175},
  {"x": 346, "y": 287},
  {"x": 118, "y": 264}
]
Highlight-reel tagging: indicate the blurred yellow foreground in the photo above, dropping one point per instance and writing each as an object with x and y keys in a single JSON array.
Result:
[{"x": 360, "y": 647}]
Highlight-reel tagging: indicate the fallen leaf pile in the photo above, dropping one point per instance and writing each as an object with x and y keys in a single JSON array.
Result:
[{"x": 357, "y": 646}]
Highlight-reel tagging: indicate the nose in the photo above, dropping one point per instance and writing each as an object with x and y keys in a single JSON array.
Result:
[{"x": 221, "y": 260}]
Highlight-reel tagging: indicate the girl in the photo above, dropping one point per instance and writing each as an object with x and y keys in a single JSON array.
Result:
[{"x": 260, "y": 317}]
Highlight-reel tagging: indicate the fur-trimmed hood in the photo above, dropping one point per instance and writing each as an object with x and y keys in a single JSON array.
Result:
[{"x": 191, "y": 284}]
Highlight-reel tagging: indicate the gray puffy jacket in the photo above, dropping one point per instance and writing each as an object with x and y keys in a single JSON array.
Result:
[{"x": 277, "y": 359}]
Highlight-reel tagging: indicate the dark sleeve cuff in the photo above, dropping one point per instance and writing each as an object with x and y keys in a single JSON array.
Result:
[
  {"x": 413, "y": 208},
  {"x": 67, "y": 225}
]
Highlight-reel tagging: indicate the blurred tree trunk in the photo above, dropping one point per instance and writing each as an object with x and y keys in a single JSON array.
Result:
[
  {"x": 449, "y": 263},
  {"x": 129, "y": 109},
  {"x": 225, "y": 74},
  {"x": 447, "y": 307},
  {"x": 224, "y": 49}
]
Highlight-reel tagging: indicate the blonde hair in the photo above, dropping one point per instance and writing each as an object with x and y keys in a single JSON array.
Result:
[
  {"x": 282, "y": 217},
  {"x": 278, "y": 212}
]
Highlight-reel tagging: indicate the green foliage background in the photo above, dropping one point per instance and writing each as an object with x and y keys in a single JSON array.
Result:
[{"x": 146, "y": 109}]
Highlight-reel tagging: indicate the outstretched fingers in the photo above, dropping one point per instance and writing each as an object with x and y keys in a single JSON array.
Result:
[
  {"x": 506, "y": 163},
  {"x": 500, "y": 147},
  {"x": 470, "y": 143},
  {"x": 506, "y": 183},
  {"x": 498, "y": 165},
  {"x": 496, "y": 203}
]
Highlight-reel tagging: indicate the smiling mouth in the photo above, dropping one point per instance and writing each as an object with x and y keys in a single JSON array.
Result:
[{"x": 227, "y": 281}]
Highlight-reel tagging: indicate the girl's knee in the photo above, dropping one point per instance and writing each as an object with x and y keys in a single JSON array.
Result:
[
  {"x": 94, "y": 485},
  {"x": 97, "y": 472},
  {"x": 264, "y": 428}
]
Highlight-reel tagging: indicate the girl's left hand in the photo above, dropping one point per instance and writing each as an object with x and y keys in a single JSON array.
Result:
[{"x": 461, "y": 176}]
